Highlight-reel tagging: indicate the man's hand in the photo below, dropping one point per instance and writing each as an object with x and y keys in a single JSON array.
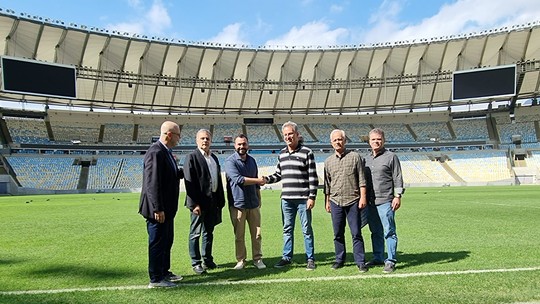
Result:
[
  {"x": 396, "y": 203},
  {"x": 159, "y": 217},
  {"x": 197, "y": 210},
  {"x": 327, "y": 207},
  {"x": 362, "y": 203},
  {"x": 310, "y": 204}
]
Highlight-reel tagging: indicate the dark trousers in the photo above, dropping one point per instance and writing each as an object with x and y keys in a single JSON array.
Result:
[
  {"x": 201, "y": 226},
  {"x": 351, "y": 214},
  {"x": 160, "y": 241}
]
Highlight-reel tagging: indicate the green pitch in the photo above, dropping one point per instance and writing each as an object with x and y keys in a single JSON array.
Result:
[{"x": 447, "y": 237}]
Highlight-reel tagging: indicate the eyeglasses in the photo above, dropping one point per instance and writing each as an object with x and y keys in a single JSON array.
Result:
[{"x": 177, "y": 134}]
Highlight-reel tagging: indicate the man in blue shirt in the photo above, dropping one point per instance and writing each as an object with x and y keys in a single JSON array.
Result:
[{"x": 244, "y": 196}]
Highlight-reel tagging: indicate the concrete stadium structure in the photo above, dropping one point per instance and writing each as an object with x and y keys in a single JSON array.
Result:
[{"x": 128, "y": 84}]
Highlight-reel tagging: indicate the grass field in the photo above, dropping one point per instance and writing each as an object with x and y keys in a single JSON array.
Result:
[{"x": 456, "y": 245}]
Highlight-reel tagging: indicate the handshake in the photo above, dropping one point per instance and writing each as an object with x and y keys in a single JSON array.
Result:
[{"x": 261, "y": 181}]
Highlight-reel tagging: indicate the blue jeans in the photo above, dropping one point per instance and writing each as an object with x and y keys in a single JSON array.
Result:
[
  {"x": 289, "y": 208},
  {"x": 383, "y": 228},
  {"x": 351, "y": 214}
]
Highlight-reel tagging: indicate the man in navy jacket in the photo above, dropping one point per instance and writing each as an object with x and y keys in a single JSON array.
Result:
[{"x": 159, "y": 203}]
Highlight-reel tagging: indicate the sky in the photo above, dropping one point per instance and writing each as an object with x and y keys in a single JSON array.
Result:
[{"x": 277, "y": 23}]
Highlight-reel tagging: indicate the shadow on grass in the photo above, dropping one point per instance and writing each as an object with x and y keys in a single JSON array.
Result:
[
  {"x": 415, "y": 259},
  {"x": 227, "y": 273},
  {"x": 84, "y": 272},
  {"x": 11, "y": 261}
]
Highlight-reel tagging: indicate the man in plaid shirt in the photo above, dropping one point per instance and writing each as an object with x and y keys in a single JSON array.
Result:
[{"x": 345, "y": 198}]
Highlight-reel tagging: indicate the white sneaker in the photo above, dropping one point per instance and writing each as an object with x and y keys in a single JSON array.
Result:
[
  {"x": 239, "y": 265},
  {"x": 259, "y": 264},
  {"x": 162, "y": 284}
]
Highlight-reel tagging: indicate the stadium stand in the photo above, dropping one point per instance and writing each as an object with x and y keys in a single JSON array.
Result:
[
  {"x": 188, "y": 132},
  {"x": 396, "y": 133},
  {"x": 437, "y": 140},
  {"x": 262, "y": 134},
  {"x": 226, "y": 130},
  {"x": 534, "y": 159},
  {"x": 103, "y": 174},
  {"x": 115, "y": 133},
  {"x": 145, "y": 133},
  {"x": 470, "y": 129},
  {"x": 83, "y": 131},
  {"x": 322, "y": 131},
  {"x": 354, "y": 131},
  {"x": 431, "y": 131},
  {"x": 480, "y": 166},
  {"x": 130, "y": 173},
  {"x": 44, "y": 172},
  {"x": 524, "y": 129},
  {"x": 306, "y": 135},
  {"x": 27, "y": 130},
  {"x": 419, "y": 169}
]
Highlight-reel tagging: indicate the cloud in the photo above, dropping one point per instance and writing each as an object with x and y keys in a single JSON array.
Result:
[
  {"x": 134, "y": 3},
  {"x": 460, "y": 17},
  {"x": 232, "y": 34},
  {"x": 155, "y": 20},
  {"x": 334, "y": 8},
  {"x": 158, "y": 18},
  {"x": 311, "y": 34}
]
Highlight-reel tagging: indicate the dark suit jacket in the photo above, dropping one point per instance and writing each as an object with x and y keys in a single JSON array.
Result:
[
  {"x": 198, "y": 189},
  {"x": 160, "y": 183}
]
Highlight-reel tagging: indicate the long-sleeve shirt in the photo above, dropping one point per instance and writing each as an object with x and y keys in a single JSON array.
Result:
[
  {"x": 343, "y": 177},
  {"x": 240, "y": 195},
  {"x": 297, "y": 172},
  {"x": 383, "y": 172}
]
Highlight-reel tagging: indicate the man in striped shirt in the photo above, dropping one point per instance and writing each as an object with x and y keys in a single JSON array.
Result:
[{"x": 297, "y": 171}]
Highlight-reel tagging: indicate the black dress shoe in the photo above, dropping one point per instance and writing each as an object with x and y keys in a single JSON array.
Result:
[
  {"x": 210, "y": 265},
  {"x": 337, "y": 266}
]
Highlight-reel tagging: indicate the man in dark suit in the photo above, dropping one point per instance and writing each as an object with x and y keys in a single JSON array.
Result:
[
  {"x": 159, "y": 203},
  {"x": 205, "y": 199}
]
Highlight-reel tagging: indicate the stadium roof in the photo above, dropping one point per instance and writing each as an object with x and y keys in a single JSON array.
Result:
[{"x": 151, "y": 74}]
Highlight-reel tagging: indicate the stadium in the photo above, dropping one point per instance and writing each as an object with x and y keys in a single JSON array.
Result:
[
  {"x": 93, "y": 100},
  {"x": 127, "y": 85}
]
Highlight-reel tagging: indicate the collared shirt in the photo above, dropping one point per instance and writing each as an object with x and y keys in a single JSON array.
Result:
[
  {"x": 383, "y": 172},
  {"x": 298, "y": 173},
  {"x": 343, "y": 177},
  {"x": 212, "y": 167},
  {"x": 239, "y": 195}
]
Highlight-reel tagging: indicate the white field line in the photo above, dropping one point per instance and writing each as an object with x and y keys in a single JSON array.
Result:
[{"x": 273, "y": 281}]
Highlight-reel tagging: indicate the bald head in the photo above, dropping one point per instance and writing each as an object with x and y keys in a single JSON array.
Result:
[{"x": 170, "y": 133}]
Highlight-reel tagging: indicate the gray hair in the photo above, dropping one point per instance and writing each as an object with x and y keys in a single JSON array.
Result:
[
  {"x": 290, "y": 124},
  {"x": 205, "y": 131},
  {"x": 336, "y": 131},
  {"x": 376, "y": 131}
]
